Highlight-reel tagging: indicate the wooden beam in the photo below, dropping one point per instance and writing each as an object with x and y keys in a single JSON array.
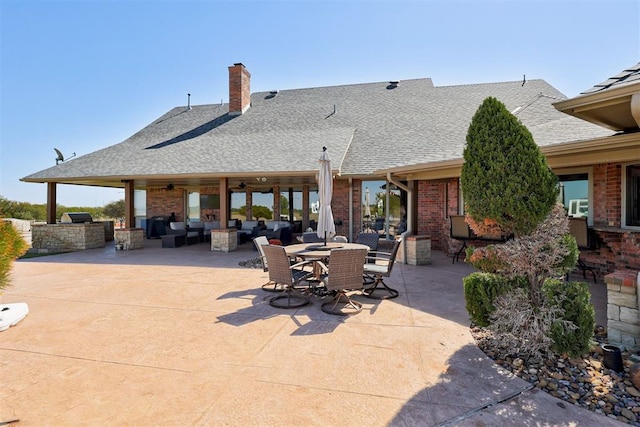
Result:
[
  {"x": 129, "y": 211},
  {"x": 224, "y": 203},
  {"x": 51, "y": 202}
]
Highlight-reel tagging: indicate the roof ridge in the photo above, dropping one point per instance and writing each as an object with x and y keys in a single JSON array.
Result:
[
  {"x": 426, "y": 79},
  {"x": 492, "y": 83}
]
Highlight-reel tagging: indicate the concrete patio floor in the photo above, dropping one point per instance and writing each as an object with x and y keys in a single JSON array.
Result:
[{"x": 185, "y": 336}]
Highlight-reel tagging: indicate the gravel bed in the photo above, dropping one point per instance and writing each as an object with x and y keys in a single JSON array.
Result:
[{"x": 583, "y": 381}]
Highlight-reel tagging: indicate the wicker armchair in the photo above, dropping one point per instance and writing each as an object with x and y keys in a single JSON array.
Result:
[
  {"x": 344, "y": 277},
  {"x": 287, "y": 276},
  {"x": 380, "y": 268},
  {"x": 270, "y": 286}
]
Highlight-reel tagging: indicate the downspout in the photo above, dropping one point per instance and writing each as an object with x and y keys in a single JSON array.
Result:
[
  {"x": 386, "y": 211},
  {"x": 409, "y": 212},
  {"x": 350, "y": 209}
]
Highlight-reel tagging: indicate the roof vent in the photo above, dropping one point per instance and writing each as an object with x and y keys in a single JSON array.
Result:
[
  {"x": 393, "y": 84},
  {"x": 272, "y": 94}
]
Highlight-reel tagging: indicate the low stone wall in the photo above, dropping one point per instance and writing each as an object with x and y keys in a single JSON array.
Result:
[
  {"x": 623, "y": 308},
  {"x": 224, "y": 240},
  {"x": 129, "y": 238},
  {"x": 56, "y": 238}
]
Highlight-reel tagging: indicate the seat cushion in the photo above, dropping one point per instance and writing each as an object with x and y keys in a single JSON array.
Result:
[
  {"x": 177, "y": 225},
  {"x": 249, "y": 225}
]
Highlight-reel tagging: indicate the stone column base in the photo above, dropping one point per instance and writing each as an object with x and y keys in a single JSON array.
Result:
[
  {"x": 224, "y": 240},
  {"x": 623, "y": 315},
  {"x": 417, "y": 250},
  {"x": 129, "y": 238}
]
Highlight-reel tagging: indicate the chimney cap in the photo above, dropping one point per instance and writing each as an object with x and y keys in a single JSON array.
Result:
[{"x": 238, "y": 63}]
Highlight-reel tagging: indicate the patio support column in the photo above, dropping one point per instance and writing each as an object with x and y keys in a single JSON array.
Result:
[
  {"x": 225, "y": 238},
  {"x": 51, "y": 202},
  {"x": 249, "y": 204},
  {"x": 129, "y": 218},
  {"x": 351, "y": 236},
  {"x": 276, "y": 203},
  {"x": 224, "y": 203},
  {"x": 412, "y": 199},
  {"x": 291, "y": 204},
  {"x": 305, "y": 207}
]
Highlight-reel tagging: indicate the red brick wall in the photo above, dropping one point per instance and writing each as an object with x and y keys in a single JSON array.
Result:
[
  {"x": 618, "y": 249},
  {"x": 607, "y": 190},
  {"x": 340, "y": 205},
  {"x": 161, "y": 202},
  {"x": 431, "y": 211}
]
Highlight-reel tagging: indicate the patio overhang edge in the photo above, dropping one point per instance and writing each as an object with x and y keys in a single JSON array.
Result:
[
  {"x": 202, "y": 179},
  {"x": 611, "y": 149},
  {"x": 608, "y": 108}
]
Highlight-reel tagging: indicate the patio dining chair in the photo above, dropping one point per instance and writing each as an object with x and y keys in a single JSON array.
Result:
[
  {"x": 579, "y": 229},
  {"x": 344, "y": 277},
  {"x": 287, "y": 276},
  {"x": 311, "y": 237},
  {"x": 371, "y": 240},
  {"x": 380, "y": 268},
  {"x": 270, "y": 286}
]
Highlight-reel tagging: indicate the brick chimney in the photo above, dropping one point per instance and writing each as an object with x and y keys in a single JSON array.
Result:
[{"x": 239, "y": 90}]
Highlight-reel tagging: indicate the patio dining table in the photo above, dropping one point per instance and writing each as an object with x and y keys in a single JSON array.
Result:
[{"x": 319, "y": 252}]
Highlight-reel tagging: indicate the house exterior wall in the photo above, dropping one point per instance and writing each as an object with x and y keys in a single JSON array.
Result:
[
  {"x": 431, "y": 211},
  {"x": 340, "y": 205},
  {"x": 161, "y": 202},
  {"x": 615, "y": 248}
]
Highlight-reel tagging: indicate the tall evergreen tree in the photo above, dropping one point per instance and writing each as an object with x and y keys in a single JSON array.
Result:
[{"x": 505, "y": 178}]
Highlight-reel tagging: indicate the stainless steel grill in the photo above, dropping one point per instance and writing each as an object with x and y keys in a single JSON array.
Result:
[{"x": 76, "y": 217}]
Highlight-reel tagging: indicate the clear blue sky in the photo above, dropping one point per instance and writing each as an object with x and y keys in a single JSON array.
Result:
[{"x": 83, "y": 75}]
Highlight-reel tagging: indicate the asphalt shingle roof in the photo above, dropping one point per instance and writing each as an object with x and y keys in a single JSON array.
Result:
[
  {"x": 628, "y": 75},
  {"x": 366, "y": 127}
]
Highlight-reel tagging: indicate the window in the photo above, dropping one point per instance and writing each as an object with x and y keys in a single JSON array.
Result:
[
  {"x": 238, "y": 205},
  {"x": 574, "y": 194},
  {"x": 375, "y": 209},
  {"x": 193, "y": 207},
  {"x": 631, "y": 195}
]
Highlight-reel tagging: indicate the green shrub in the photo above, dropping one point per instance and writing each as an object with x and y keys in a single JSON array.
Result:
[
  {"x": 481, "y": 290},
  {"x": 574, "y": 301},
  {"x": 505, "y": 177},
  {"x": 12, "y": 245}
]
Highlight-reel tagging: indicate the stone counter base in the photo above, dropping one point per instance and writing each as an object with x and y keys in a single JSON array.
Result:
[
  {"x": 57, "y": 238},
  {"x": 129, "y": 239}
]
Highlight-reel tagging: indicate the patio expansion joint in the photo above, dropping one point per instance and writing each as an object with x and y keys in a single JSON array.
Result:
[
  {"x": 85, "y": 359},
  {"x": 455, "y": 420},
  {"x": 355, "y": 393},
  {"x": 160, "y": 307}
]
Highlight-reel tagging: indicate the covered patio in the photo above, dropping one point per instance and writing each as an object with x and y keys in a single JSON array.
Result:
[{"x": 187, "y": 337}]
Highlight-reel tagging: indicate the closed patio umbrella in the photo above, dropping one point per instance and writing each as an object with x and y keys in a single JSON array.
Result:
[
  {"x": 326, "y": 226},
  {"x": 367, "y": 204}
]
